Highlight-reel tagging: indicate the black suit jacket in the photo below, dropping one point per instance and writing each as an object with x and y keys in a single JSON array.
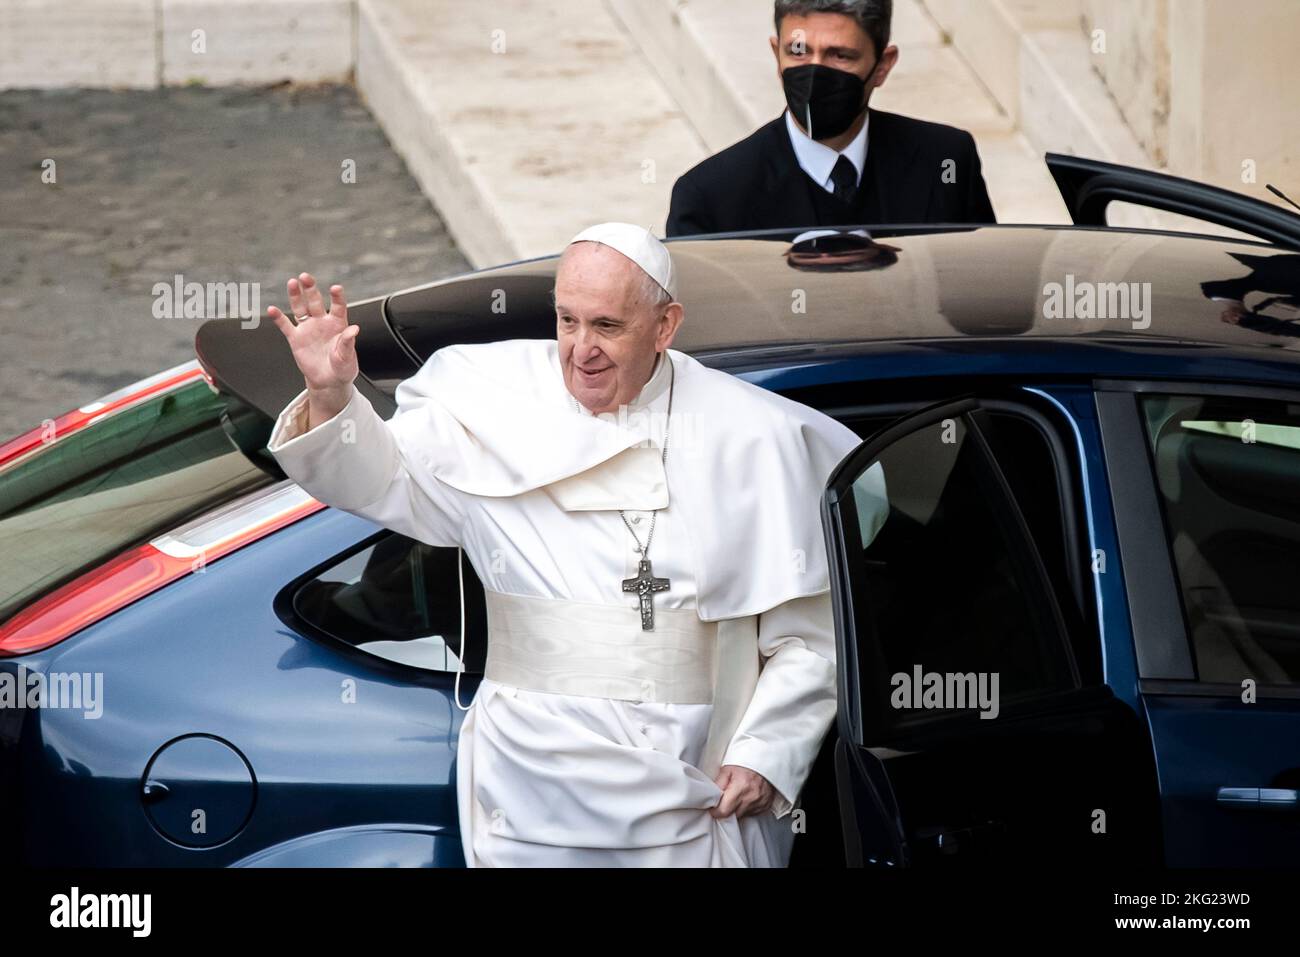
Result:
[{"x": 759, "y": 184}]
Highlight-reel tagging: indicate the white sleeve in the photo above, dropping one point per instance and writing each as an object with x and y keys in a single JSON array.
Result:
[
  {"x": 355, "y": 463},
  {"x": 794, "y": 700}
]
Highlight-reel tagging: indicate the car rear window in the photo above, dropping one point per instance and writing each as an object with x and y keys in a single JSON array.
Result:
[{"x": 114, "y": 484}]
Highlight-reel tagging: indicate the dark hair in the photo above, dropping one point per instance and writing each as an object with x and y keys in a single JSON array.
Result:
[{"x": 873, "y": 16}]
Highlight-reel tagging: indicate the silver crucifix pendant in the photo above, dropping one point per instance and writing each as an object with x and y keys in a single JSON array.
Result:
[{"x": 644, "y": 585}]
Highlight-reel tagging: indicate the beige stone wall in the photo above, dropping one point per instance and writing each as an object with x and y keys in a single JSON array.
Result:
[
  {"x": 1236, "y": 75},
  {"x": 1129, "y": 44},
  {"x": 1211, "y": 88},
  {"x": 134, "y": 44}
]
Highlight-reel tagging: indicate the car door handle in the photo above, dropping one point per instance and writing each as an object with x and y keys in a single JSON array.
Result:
[{"x": 1260, "y": 799}]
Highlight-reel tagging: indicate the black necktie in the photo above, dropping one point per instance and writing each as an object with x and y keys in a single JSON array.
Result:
[{"x": 845, "y": 178}]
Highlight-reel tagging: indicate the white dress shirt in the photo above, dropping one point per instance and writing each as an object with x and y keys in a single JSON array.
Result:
[{"x": 818, "y": 159}]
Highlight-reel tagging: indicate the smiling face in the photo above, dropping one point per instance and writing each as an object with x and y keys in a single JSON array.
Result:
[{"x": 608, "y": 337}]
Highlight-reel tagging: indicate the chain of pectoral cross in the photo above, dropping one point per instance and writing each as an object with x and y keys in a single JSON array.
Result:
[{"x": 645, "y": 583}]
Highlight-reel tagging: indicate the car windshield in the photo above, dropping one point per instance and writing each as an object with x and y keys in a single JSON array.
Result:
[{"x": 112, "y": 485}]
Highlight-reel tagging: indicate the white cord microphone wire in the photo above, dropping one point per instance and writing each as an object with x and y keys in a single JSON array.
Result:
[{"x": 460, "y": 568}]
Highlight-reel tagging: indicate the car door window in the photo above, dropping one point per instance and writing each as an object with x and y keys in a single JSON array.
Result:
[
  {"x": 1090, "y": 187},
  {"x": 1228, "y": 473},
  {"x": 1046, "y": 484},
  {"x": 1136, "y": 216},
  {"x": 952, "y": 585},
  {"x": 398, "y": 599}
]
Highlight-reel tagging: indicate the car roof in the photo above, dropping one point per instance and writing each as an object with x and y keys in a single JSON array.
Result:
[
  {"x": 951, "y": 301},
  {"x": 966, "y": 283}
]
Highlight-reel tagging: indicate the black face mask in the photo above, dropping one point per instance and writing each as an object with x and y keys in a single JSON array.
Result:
[{"x": 824, "y": 100}]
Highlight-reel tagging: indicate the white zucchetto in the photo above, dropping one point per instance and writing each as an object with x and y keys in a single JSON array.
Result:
[{"x": 637, "y": 244}]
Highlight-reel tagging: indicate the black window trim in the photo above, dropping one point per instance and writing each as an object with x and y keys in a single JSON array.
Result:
[
  {"x": 1165, "y": 666},
  {"x": 284, "y": 607}
]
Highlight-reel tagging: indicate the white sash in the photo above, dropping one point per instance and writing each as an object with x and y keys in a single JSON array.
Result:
[
  {"x": 586, "y": 648},
  {"x": 599, "y": 650}
]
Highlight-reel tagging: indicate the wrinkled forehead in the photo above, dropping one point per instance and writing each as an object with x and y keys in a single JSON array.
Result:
[
  {"x": 594, "y": 271},
  {"x": 592, "y": 254}
]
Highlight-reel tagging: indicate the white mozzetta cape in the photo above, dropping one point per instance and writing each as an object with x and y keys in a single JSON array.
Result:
[
  {"x": 485, "y": 428},
  {"x": 751, "y": 470}
]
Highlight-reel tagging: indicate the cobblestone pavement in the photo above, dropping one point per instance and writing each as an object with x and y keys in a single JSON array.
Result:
[{"x": 239, "y": 185}]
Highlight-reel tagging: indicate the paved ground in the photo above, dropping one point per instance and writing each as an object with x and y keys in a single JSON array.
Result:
[{"x": 218, "y": 185}]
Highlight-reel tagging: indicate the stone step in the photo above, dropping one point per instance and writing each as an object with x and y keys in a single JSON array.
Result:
[
  {"x": 1033, "y": 57},
  {"x": 525, "y": 121}
]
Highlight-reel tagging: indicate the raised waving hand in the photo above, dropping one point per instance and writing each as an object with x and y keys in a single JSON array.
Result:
[{"x": 323, "y": 344}]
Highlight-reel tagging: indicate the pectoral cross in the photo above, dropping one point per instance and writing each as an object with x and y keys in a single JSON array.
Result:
[{"x": 644, "y": 585}]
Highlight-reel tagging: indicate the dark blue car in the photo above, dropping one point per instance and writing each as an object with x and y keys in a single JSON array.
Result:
[{"x": 1091, "y": 438}]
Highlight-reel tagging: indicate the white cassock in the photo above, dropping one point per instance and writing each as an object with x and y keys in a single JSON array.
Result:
[{"x": 592, "y": 742}]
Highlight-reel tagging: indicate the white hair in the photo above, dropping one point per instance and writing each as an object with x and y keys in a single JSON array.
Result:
[{"x": 652, "y": 294}]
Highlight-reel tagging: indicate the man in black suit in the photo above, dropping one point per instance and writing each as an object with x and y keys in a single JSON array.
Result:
[{"x": 830, "y": 160}]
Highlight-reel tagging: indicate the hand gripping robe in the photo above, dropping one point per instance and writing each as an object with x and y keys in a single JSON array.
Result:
[{"x": 590, "y": 741}]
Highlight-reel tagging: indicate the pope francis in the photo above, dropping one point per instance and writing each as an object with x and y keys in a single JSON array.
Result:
[{"x": 660, "y": 669}]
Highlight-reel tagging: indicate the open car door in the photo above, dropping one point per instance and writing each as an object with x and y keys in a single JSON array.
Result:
[
  {"x": 965, "y": 733},
  {"x": 1090, "y": 186}
]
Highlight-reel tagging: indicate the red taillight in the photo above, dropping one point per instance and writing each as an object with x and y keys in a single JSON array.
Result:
[
  {"x": 89, "y": 598},
  {"x": 140, "y": 571}
]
